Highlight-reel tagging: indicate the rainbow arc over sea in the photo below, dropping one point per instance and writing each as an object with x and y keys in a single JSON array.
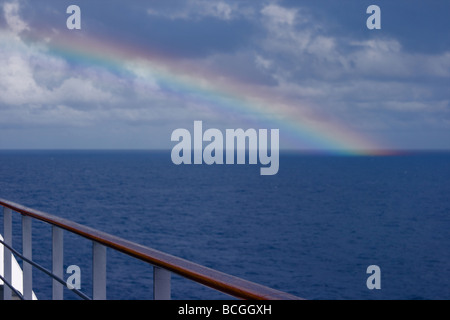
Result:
[{"x": 303, "y": 128}]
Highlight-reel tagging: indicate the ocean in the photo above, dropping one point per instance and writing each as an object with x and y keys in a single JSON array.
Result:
[{"x": 311, "y": 230}]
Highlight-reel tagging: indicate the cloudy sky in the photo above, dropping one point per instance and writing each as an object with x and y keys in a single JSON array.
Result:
[{"x": 137, "y": 70}]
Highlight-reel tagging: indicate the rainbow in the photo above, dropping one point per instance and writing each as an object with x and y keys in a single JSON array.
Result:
[{"x": 297, "y": 125}]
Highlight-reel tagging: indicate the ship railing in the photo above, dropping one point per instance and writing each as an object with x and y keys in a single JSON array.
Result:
[{"x": 163, "y": 264}]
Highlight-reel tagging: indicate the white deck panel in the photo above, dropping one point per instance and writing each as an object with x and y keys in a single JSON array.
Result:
[{"x": 17, "y": 276}]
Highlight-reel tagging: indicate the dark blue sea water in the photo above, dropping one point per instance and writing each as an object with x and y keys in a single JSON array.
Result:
[{"x": 311, "y": 230}]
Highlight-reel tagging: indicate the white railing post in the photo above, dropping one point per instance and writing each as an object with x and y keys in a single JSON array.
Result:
[
  {"x": 27, "y": 253},
  {"x": 161, "y": 284},
  {"x": 98, "y": 271},
  {"x": 57, "y": 262},
  {"x": 7, "y": 255}
]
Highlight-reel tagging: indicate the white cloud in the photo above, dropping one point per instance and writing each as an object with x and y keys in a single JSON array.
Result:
[
  {"x": 386, "y": 58},
  {"x": 17, "y": 85},
  {"x": 22, "y": 82},
  {"x": 198, "y": 9},
  {"x": 262, "y": 63},
  {"x": 322, "y": 46},
  {"x": 81, "y": 90},
  {"x": 220, "y": 10},
  {"x": 30, "y": 94},
  {"x": 279, "y": 15},
  {"x": 14, "y": 21},
  {"x": 299, "y": 46},
  {"x": 291, "y": 32}
]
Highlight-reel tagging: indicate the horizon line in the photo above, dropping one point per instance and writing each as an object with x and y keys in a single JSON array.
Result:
[{"x": 336, "y": 152}]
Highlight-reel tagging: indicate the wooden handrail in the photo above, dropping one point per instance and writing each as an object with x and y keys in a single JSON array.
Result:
[{"x": 217, "y": 280}]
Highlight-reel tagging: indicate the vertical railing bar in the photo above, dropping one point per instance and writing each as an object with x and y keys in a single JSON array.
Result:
[
  {"x": 57, "y": 262},
  {"x": 98, "y": 271},
  {"x": 7, "y": 255},
  {"x": 27, "y": 253},
  {"x": 161, "y": 284}
]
